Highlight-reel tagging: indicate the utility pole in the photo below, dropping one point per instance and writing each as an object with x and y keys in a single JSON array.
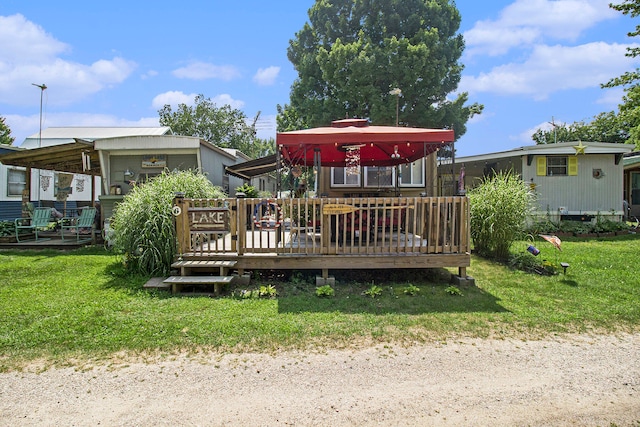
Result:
[
  {"x": 42, "y": 88},
  {"x": 396, "y": 92}
]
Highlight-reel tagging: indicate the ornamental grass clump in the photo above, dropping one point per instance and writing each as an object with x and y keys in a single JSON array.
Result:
[
  {"x": 500, "y": 206},
  {"x": 143, "y": 222}
]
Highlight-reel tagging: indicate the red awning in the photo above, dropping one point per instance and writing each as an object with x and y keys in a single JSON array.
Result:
[{"x": 377, "y": 145}]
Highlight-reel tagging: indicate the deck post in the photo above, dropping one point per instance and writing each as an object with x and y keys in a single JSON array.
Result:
[
  {"x": 182, "y": 222},
  {"x": 241, "y": 222}
]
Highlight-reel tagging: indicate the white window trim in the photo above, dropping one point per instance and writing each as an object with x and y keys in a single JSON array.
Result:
[
  {"x": 566, "y": 166},
  {"x": 422, "y": 177},
  {"x": 24, "y": 183},
  {"x": 344, "y": 171},
  {"x": 393, "y": 178}
]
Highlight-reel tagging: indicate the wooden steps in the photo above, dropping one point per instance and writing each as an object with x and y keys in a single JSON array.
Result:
[
  {"x": 177, "y": 282},
  {"x": 187, "y": 266}
]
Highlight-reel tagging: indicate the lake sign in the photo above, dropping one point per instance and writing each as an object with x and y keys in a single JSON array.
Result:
[{"x": 209, "y": 219}]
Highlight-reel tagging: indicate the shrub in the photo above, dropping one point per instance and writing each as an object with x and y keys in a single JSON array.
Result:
[
  {"x": 606, "y": 225},
  {"x": 500, "y": 206},
  {"x": 7, "y": 228},
  {"x": 249, "y": 191},
  {"x": 452, "y": 290},
  {"x": 267, "y": 291},
  {"x": 143, "y": 227},
  {"x": 412, "y": 290},
  {"x": 374, "y": 291},
  {"x": 525, "y": 262},
  {"x": 325, "y": 291}
]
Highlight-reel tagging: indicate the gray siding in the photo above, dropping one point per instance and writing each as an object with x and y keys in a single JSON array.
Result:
[
  {"x": 582, "y": 193},
  {"x": 213, "y": 164}
]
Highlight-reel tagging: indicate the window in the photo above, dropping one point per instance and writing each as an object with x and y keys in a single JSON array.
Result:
[
  {"x": 16, "y": 182},
  {"x": 556, "y": 166},
  {"x": 412, "y": 174},
  {"x": 635, "y": 188},
  {"x": 379, "y": 176},
  {"x": 340, "y": 178}
]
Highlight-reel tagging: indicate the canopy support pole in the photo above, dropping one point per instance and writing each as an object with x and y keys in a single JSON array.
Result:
[{"x": 316, "y": 167}]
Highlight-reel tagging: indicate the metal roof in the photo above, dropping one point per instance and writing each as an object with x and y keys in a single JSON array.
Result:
[
  {"x": 560, "y": 148},
  {"x": 58, "y": 135},
  {"x": 631, "y": 160}
]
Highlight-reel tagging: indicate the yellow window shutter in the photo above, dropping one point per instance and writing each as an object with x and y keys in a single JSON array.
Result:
[
  {"x": 541, "y": 166},
  {"x": 572, "y": 166}
]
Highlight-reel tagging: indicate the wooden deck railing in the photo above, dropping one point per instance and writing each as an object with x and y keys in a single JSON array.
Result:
[{"x": 324, "y": 226}]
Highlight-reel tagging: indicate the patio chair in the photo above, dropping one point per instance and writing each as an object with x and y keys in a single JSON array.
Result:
[
  {"x": 86, "y": 221},
  {"x": 40, "y": 219}
]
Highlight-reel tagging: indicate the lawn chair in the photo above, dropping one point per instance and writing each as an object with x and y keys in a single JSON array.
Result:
[
  {"x": 85, "y": 221},
  {"x": 39, "y": 220}
]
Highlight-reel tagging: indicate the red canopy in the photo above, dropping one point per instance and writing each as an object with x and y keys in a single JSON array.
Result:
[{"x": 378, "y": 145}]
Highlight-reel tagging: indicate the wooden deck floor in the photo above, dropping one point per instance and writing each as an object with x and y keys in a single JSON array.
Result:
[{"x": 50, "y": 240}]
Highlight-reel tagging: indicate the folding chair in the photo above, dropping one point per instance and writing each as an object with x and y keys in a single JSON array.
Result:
[
  {"x": 40, "y": 219},
  {"x": 86, "y": 220}
]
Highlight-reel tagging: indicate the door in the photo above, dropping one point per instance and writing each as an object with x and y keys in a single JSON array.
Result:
[{"x": 635, "y": 194}]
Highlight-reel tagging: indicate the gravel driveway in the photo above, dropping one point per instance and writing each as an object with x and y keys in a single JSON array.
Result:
[{"x": 579, "y": 380}]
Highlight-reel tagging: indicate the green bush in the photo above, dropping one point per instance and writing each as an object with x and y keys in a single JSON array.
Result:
[
  {"x": 7, "y": 228},
  {"x": 607, "y": 225},
  {"x": 500, "y": 206},
  {"x": 250, "y": 192},
  {"x": 143, "y": 227},
  {"x": 325, "y": 291},
  {"x": 374, "y": 291}
]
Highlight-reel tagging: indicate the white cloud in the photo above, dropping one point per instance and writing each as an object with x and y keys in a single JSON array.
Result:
[
  {"x": 204, "y": 71},
  {"x": 266, "y": 126},
  {"x": 173, "y": 98},
  {"x": 553, "y": 68},
  {"x": 226, "y": 99},
  {"x": 149, "y": 74},
  {"x": 266, "y": 76},
  {"x": 23, "y": 41},
  {"x": 611, "y": 97},
  {"x": 525, "y": 136},
  {"x": 29, "y": 55},
  {"x": 527, "y": 22}
]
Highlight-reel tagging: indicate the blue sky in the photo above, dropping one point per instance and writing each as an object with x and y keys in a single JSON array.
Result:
[{"x": 116, "y": 63}]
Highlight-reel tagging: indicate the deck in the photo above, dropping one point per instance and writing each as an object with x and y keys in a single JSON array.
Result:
[{"x": 326, "y": 233}]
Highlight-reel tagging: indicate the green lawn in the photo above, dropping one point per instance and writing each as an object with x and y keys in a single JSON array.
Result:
[{"x": 81, "y": 305}]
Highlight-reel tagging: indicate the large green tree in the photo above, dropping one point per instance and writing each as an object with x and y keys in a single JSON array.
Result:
[
  {"x": 605, "y": 127},
  {"x": 622, "y": 126},
  {"x": 224, "y": 126},
  {"x": 5, "y": 133},
  {"x": 352, "y": 54},
  {"x": 629, "y": 109}
]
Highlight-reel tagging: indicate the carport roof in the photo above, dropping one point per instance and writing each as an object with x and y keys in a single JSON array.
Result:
[
  {"x": 248, "y": 170},
  {"x": 75, "y": 157}
]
